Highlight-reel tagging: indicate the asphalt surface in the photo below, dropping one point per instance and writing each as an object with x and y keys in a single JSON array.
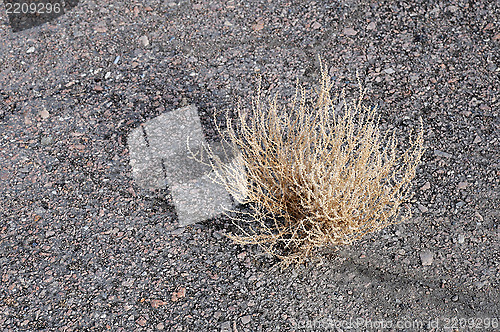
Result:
[{"x": 82, "y": 247}]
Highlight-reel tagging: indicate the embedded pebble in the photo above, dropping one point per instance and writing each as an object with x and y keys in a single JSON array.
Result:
[
  {"x": 426, "y": 257},
  {"x": 245, "y": 319},
  {"x": 350, "y": 32}
]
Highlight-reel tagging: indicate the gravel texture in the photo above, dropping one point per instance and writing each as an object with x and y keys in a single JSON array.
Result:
[{"x": 83, "y": 248}]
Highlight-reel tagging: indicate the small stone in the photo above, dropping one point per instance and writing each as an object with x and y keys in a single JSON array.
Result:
[
  {"x": 489, "y": 26},
  {"x": 160, "y": 326},
  {"x": 451, "y": 9},
  {"x": 157, "y": 303},
  {"x": 401, "y": 252},
  {"x": 47, "y": 140},
  {"x": 178, "y": 231},
  {"x": 141, "y": 321},
  {"x": 144, "y": 41},
  {"x": 491, "y": 67},
  {"x": 479, "y": 284},
  {"x": 462, "y": 185},
  {"x": 426, "y": 186},
  {"x": 478, "y": 139},
  {"x": 50, "y": 233},
  {"x": 30, "y": 50},
  {"x": 225, "y": 327},
  {"x": 389, "y": 71},
  {"x": 44, "y": 114},
  {"x": 217, "y": 314},
  {"x": 349, "y": 32},
  {"x": 316, "y": 26},
  {"x": 442, "y": 154},
  {"x": 179, "y": 294},
  {"x": 101, "y": 29},
  {"x": 127, "y": 283},
  {"x": 422, "y": 208},
  {"x": 246, "y": 319},
  {"x": 242, "y": 255},
  {"x": 479, "y": 216},
  {"x": 461, "y": 238},
  {"x": 98, "y": 88},
  {"x": 371, "y": 26},
  {"x": 258, "y": 26},
  {"x": 426, "y": 257},
  {"x": 454, "y": 298},
  {"x": 496, "y": 37}
]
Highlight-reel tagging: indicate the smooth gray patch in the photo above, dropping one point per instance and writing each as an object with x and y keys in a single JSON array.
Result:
[{"x": 159, "y": 156}]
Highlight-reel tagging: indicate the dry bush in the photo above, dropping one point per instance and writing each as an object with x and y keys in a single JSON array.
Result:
[{"x": 313, "y": 176}]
